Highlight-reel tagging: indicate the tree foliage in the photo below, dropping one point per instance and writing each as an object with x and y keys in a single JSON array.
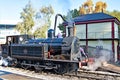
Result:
[
  {"x": 41, "y": 32},
  {"x": 27, "y": 17},
  {"x": 114, "y": 13},
  {"x": 100, "y": 7},
  {"x": 46, "y": 12},
  {"x": 73, "y": 13},
  {"x": 88, "y": 7},
  {"x": 82, "y": 10}
]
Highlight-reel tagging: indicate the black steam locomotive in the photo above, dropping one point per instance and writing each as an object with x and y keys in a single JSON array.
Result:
[{"x": 58, "y": 54}]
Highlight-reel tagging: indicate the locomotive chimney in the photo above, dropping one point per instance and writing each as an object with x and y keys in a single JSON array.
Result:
[{"x": 71, "y": 29}]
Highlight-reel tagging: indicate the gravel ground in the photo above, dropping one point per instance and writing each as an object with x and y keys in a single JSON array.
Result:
[{"x": 40, "y": 76}]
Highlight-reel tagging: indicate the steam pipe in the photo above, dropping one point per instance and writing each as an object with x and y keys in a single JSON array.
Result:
[{"x": 56, "y": 22}]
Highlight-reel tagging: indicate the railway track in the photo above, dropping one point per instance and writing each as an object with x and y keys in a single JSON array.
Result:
[
  {"x": 31, "y": 73},
  {"x": 95, "y": 75},
  {"x": 79, "y": 75}
]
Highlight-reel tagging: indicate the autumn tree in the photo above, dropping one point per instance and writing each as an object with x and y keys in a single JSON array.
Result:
[
  {"x": 88, "y": 7},
  {"x": 27, "y": 17},
  {"x": 46, "y": 13},
  {"x": 100, "y": 7},
  {"x": 82, "y": 10}
]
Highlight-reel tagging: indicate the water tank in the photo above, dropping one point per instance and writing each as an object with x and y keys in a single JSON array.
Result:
[{"x": 50, "y": 33}]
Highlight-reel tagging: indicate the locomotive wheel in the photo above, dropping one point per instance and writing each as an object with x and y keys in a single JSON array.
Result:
[
  {"x": 72, "y": 67},
  {"x": 14, "y": 62},
  {"x": 38, "y": 69},
  {"x": 25, "y": 67},
  {"x": 61, "y": 69}
]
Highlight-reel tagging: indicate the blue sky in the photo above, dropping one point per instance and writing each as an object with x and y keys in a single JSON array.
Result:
[{"x": 10, "y": 9}]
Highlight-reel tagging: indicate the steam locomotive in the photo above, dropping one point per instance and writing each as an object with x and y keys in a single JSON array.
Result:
[{"x": 59, "y": 54}]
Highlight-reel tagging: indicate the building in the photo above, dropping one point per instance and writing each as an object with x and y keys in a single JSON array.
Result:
[
  {"x": 98, "y": 30},
  {"x": 7, "y": 30}
]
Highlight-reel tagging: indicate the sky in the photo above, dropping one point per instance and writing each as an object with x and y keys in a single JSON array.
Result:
[{"x": 10, "y": 9}]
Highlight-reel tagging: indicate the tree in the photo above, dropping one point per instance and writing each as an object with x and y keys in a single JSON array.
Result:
[
  {"x": 114, "y": 13},
  {"x": 41, "y": 32},
  {"x": 72, "y": 14},
  {"x": 82, "y": 10},
  {"x": 75, "y": 13},
  {"x": 27, "y": 17},
  {"x": 88, "y": 7},
  {"x": 46, "y": 13},
  {"x": 100, "y": 7}
]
